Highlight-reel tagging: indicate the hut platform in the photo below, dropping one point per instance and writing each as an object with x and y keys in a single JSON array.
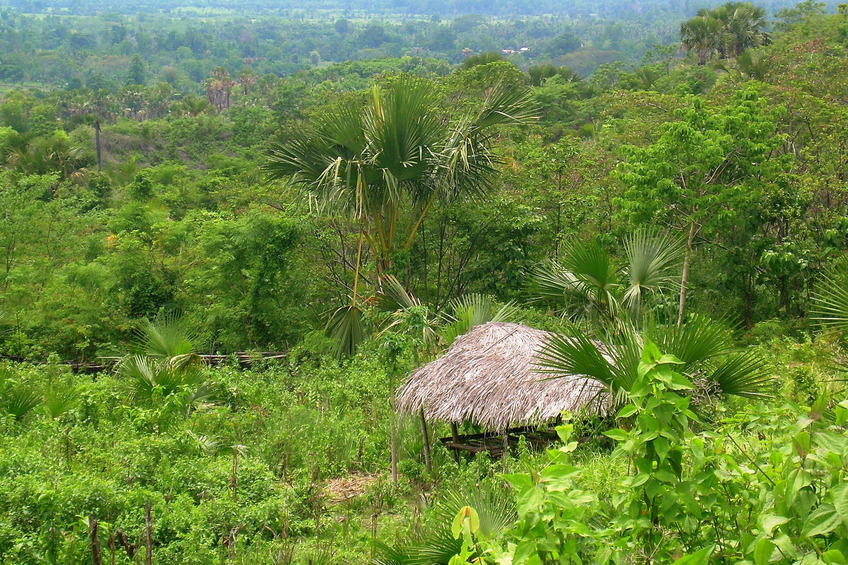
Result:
[{"x": 493, "y": 443}]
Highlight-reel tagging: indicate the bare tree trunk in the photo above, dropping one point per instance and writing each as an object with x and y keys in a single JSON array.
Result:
[
  {"x": 684, "y": 280},
  {"x": 427, "y": 461},
  {"x": 95, "y": 545}
]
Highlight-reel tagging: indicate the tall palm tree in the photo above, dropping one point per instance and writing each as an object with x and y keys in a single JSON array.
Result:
[
  {"x": 745, "y": 26},
  {"x": 701, "y": 34},
  {"x": 388, "y": 163},
  {"x": 729, "y": 29}
]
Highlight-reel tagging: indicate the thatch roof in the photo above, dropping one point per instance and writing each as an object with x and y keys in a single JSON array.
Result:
[{"x": 490, "y": 376}]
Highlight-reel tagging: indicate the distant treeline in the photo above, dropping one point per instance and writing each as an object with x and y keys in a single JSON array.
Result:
[{"x": 365, "y": 8}]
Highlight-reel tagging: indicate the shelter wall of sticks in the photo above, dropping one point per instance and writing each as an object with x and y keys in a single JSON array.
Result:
[{"x": 490, "y": 377}]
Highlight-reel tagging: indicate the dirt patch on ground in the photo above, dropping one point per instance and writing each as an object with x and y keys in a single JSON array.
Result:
[{"x": 345, "y": 488}]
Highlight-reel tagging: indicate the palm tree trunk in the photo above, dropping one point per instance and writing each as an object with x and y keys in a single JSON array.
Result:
[
  {"x": 394, "y": 450},
  {"x": 684, "y": 280}
]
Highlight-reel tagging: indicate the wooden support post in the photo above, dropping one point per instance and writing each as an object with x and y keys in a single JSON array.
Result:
[
  {"x": 148, "y": 537},
  {"x": 95, "y": 544},
  {"x": 454, "y": 432},
  {"x": 112, "y": 549},
  {"x": 426, "y": 436},
  {"x": 505, "y": 445},
  {"x": 97, "y": 144}
]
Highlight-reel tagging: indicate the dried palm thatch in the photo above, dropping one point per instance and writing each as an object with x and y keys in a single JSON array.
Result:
[{"x": 490, "y": 376}]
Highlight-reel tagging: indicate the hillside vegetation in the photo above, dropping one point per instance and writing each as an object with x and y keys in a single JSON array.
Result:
[{"x": 170, "y": 190}]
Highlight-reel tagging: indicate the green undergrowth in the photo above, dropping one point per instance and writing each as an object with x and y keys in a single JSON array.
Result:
[{"x": 288, "y": 463}]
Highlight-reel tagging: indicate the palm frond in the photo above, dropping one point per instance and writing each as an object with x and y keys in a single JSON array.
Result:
[
  {"x": 493, "y": 504},
  {"x": 401, "y": 128},
  {"x": 394, "y": 296},
  {"x": 507, "y": 104},
  {"x": 345, "y": 327},
  {"x": 470, "y": 310},
  {"x": 59, "y": 400},
  {"x": 437, "y": 545},
  {"x": 830, "y": 301},
  {"x": 696, "y": 341},
  {"x": 19, "y": 401},
  {"x": 584, "y": 278},
  {"x": 167, "y": 337},
  {"x": 577, "y": 355},
  {"x": 743, "y": 374},
  {"x": 654, "y": 259}
]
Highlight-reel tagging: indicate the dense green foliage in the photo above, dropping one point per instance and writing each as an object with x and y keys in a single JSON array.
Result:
[{"x": 343, "y": 185}]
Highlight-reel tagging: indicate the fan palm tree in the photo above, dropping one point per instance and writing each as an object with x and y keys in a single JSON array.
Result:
[
  {"x": 586, "y": 279},
  {"x": 729, "y": 29},
  {"x": 701, "y": 34},
  {"x": 163, "y": 362},
  {"x": 388, "y": 163},
  {"x": 744, "y": 24}
]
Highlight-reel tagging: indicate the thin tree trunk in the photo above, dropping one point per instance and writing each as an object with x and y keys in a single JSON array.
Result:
[
  {"x": 426, "y": 436},
  {"x": 97, "y": 144},
  {"x": 95, "y": 545},
  {"x": 394, "y": 449},
  {"x": 684, "y": 280},
  {"x": 148, "y": 536}
]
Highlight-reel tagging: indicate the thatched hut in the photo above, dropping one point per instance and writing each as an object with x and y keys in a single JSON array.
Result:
[{"x": 490, "y": 376}]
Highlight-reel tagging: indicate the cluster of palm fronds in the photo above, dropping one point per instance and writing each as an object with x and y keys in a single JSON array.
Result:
[
  {"x": 460, "y": 315},
  {"x": 20, "y": 398},
  {"x": 588, "y": 286},
  {"x": 611, "y": 304},
  {"x": 704, "y": 347},
  {"x": 163, "y": 362}
]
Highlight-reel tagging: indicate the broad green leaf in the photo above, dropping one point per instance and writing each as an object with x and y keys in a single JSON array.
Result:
[
  {"x": 823, "y": 520},
  {"x": 650, "y": 353},
  {"x": 669, "y": 359},
  {"x": 819, "y": 406},
  {"x": 559, "y": 472},
  {"x": 834, "y": 557},
  {"x": 679, "y": 382},
  {"x": 840, "y": 501},
  {"x": 627, "y": 411},
  {"x": 465, "y": 513},
  {"x": 616, "y": 434},
  {"x": 519, "y": 480},
  {"x": 770, "y": 522},
  {"x": 763, "y": 551}
]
